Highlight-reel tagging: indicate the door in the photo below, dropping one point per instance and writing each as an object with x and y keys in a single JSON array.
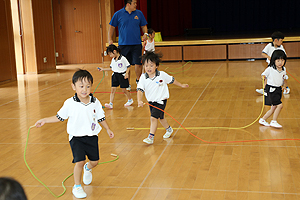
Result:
[{"x": 81, "y": 37}]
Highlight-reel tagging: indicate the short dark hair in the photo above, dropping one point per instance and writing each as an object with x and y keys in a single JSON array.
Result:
[
  {"x": 127, "y": 1},
  {"x": 111, "y": 48},
  {"x": 153, "y": 57},
  {"x": 11, "y": 189},
  {"x": 277, "y": 54},
  {"x": 81, "y": 74},
  {"x": 277, "y": 35},
  {"x": 150, "y": 31}
]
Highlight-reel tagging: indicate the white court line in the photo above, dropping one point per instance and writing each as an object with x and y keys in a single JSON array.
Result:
[{"x": 138, "y": 189}]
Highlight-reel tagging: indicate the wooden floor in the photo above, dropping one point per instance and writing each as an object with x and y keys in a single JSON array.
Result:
[{"x": 221, "y": 94}]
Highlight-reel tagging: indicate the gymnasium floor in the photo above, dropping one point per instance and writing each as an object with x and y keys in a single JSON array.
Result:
[{"x": 221, "y": 94}]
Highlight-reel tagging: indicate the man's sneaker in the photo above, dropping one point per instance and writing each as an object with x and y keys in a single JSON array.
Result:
[
  {"x": 275, "y": 124},
  {"x": 108, "y": 105},
  {"x": 87, "y": 175},
  {"x": 129, "y": 88},
  {"x": 128, "y": 103},
  {"x": 261, "y": 91},
  {"x": 263, "y": 122},
  {"x": 168, "y": 134},
  {"x": 78, "y": 192},
  {"x": 148, "y": 140}
]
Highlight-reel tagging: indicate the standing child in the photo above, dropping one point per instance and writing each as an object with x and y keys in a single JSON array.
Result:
[
  {"x": 149, "y": 44},
  {"x": 155, "y": 85},
  {"x": 83, "y": 112},
  {"x": 275, "y": 76},
  {"x": 120, "y": 67},
  {"x": 277, "y": 40}
]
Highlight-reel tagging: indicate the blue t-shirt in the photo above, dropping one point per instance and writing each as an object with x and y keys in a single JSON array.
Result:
[{"x": 129, "y": 26}]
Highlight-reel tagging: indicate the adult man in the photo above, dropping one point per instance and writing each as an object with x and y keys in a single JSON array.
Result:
[{"x": 129, "y": 20}]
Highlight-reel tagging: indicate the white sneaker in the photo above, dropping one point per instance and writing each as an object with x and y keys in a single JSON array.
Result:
[
  {"x": 148, "y": 140},
  {"x": 168, "y": 134},
  {"x": 128, "y": 103},
  {"x": 263, "y": 122},
  {"x": 287, "y": 90},
  {"x": 261, "y": 91},
  {"x": 79, "y": 192},
  {"x": 87, "y": 175},
  {"x": 275, "y": 124},
  {"x": 129, "y": 88},
  {"x": 107, "y": 105}
]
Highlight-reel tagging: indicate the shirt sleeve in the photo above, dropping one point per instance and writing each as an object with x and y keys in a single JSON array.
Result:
[
  {"x": 100, "y": 111},
  {"x": 266, "y": 49},
  {"x": 143, "y": 20},
  {"x": 266, "y": 72},
  {"x": 141, "y": 84},
  {"x": 114, "y": 20},
  {"x": 168, "y": 79},
  {"x": 125, "y": 61},
  {"x": 63, "y": 113}
]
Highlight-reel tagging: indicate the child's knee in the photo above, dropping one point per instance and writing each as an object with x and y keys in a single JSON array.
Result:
[{"x": 94, "y": 163}]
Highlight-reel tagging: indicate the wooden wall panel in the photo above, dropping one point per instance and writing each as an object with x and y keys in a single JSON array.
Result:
[
  {"x": 245, "y": 51},
  {"x": 292, "y": 49},
  {"x": 7, "y": 55},
  {"x": 44, "y": 36},
  {"x": 171, "y": 53},
  {"x": 205, "y": 52}
]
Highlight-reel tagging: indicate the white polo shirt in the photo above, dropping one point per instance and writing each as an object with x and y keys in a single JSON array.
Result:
[
  {"x": 269, "y": 49},
  {"x": 120, "y": 65},
  {"x": 82, "y": 118},
  {"x": 156, "y": 88},
  {"x": 274, "y": 77}
]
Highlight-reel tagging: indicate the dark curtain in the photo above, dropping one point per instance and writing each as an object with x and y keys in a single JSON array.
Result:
[{"x": 170, "y": 17}]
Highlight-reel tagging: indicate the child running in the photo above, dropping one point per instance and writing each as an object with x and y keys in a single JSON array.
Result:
[
  {"x": 155, "y": 85},
  {"x": 120, "y": 67},
  {"x": 84, "y": 113},
  {"x": 275, "y": 76}
]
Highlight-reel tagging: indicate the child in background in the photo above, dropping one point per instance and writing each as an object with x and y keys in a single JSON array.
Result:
[
  {"x": 120, "y": 67},
  {"x": 84, "y": 113},
  {"x": 277, "y": 40},
  {"x": 149, "y": 44},
  {"x": 155, "y": 85},
  {"x": 275, "y": 76}
]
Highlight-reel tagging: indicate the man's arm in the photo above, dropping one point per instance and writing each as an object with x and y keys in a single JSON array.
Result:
[
  {"x": 145, "y": 31},
  {"x": 111, "y": 31}
]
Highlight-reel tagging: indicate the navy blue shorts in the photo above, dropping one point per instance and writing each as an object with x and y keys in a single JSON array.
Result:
[
  {"x": 132, "y": 53},
  {"x": 156, "y": 113},
  {"x": 84, "y": 146},
  {"x": 273, "y": 98},
  {"x": 117, "y": 79}
]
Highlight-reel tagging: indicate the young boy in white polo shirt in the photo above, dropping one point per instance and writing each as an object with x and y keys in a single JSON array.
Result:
[
  {"x": 155, "y": 85},
  {"x": 83, "y": 112}
]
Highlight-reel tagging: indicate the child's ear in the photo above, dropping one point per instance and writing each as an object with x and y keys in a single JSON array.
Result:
[{"x": 73, "y": 86}]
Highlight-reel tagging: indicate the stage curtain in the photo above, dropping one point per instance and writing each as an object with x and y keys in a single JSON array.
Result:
[{"x": 171, "y": 17}]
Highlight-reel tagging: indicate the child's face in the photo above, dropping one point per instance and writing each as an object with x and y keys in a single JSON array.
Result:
[
  {"x": 83, "y": 89},
  {"x": 152, "y": 35},
  {"x": 113, "y": 54},
  {"x": 278, "y": 42},
  {"x": 279, "y": 63},
  {"x": 150, "y": 67}
]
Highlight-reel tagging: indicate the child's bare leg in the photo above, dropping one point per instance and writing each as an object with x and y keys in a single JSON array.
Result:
[
  {"x": 277, "y": 111},
  {"x": 153, "y": 125},
  {"x": 112, "y": 94},
  {"x": 78, "y": 171},
  {"x": 92, "y": 164},
  {"x": 127, "y": 93},
  {"x": 164, "y": 123},
  {"x": 269, "y": 112}
]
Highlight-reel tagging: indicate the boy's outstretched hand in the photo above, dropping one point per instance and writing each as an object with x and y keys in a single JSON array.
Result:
[
  {"x": 184, "y": 85},
  {"x": 110, "y": 134}
]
